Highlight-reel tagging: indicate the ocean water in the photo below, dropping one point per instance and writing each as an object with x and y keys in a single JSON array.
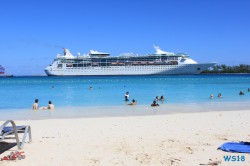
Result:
[{"x": 19, "y": 93}]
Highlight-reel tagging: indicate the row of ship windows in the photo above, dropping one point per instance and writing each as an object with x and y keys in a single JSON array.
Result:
[
  {"x": 138, "y": 67},
  {"x": 110, "y": 71},
  {"x": 119, "y": 60},
  {"x": 74, "y": 70}
]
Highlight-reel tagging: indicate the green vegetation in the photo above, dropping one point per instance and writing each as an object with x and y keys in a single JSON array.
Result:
[{"x": 242, "y": 68}]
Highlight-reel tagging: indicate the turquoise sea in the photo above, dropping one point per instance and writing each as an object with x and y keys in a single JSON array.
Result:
[{"x": 19, "y": 93}]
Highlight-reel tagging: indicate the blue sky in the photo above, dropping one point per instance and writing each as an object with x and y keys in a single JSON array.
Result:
[{"x": 34, "y": 31}]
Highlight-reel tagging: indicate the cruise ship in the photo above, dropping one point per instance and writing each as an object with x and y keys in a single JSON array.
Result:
[{"x": 100, "y": 63}]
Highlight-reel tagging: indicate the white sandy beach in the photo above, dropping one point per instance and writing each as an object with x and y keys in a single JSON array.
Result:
[{"x": 175, "y": 139}]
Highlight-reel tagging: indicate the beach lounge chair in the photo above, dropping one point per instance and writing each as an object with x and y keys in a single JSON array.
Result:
[{"x": 6, "y": 131}]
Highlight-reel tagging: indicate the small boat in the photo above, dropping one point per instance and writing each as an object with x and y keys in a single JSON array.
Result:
[{"x": 2, "y": 70}]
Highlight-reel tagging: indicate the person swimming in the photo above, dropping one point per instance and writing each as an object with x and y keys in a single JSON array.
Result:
[
  {"x": 154, "y": 104},
  {"x": 50, "y": 106},
  {"x": 219, "y": 95},
  {"x": 241, "y": 93},
  {"x": 162, "y": 98},
  {"x": 211, "y": 96},
  {"x": 156, "y": 98},
  {"x": 134, "y": 102}
]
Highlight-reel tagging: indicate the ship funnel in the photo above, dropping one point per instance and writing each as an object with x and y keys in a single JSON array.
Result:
[
  {"x": 67, "y": 54},
  {"x": 161, "y": 52}
]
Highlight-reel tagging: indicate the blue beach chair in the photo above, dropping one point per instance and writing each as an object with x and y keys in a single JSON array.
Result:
[{"x": 6, "y": 131}]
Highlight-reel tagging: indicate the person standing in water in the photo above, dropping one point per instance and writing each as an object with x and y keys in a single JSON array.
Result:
[{"x": 126, "y": 96}]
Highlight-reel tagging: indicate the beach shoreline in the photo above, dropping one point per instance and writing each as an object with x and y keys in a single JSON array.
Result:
[
  {"x": 171, "y": 139},
  {"x": 165, "y": 108}
]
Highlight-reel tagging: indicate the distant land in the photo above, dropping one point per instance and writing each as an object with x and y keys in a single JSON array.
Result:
[{"x": 220, "y": 69}]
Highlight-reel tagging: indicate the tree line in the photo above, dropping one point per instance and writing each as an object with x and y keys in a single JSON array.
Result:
[{"x": 242, "y": 68}]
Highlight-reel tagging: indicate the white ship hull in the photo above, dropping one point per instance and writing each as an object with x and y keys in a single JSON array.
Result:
[{"x": 130, "y": 70}]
